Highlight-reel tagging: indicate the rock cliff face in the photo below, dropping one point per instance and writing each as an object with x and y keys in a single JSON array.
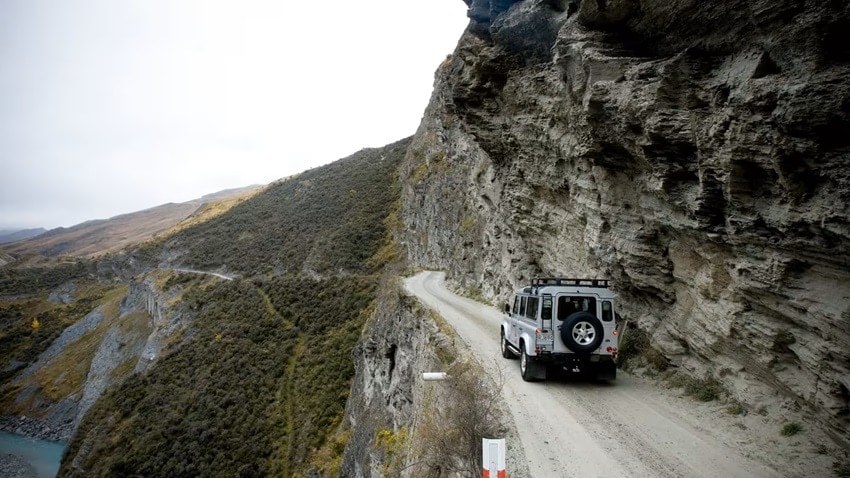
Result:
[
  {"x": 103, "y": 348},
  {"x": 397, "y": 347},
  {"x": 697, "y": 153}
]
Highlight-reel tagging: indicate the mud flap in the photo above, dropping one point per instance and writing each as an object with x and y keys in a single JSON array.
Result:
[
  {"x": 538, "y": 370},
  {"x": 606, "y": 371}
]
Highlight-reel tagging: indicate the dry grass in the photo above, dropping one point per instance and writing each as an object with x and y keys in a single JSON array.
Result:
[{"x": 98, "y": 237}]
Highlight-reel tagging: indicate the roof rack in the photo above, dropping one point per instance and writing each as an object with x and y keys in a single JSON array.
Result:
[{"x": 544, "y": 281}]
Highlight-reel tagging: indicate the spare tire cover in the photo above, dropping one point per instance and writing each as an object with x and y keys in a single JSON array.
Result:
[{"x": 582, "y": 332}]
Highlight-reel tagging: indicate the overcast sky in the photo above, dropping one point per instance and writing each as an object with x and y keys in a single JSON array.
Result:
[{"x": 114, "y": 106}]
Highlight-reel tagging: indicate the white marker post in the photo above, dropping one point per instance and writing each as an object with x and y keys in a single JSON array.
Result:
[
  {"x": 431, "y": 376},
  {"x": 494, "y": 457}
]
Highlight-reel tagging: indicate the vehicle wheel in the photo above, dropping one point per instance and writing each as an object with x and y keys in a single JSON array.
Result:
[
  {"x": 506, "y": 352},
  {"x": 582, "y": 332},
  {"x": 525, "y": 365}
]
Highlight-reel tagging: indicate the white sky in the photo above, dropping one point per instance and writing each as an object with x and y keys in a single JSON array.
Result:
[{"x": 114, "y": 106}]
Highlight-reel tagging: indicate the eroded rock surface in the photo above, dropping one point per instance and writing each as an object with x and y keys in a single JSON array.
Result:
[{"x": 694, "y": 152}]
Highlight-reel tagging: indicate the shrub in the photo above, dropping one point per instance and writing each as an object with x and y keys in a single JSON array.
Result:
[
  {"x": 791, "y": 429},
  {"x": 258, "y": 384},
  {"x": 736, "y": 408},
  {"x": 449, "y": 436},
  {"x": 392, "y": 445},
  {"x": 704, "y": 390},
  {"x": 634, "y": 346}
]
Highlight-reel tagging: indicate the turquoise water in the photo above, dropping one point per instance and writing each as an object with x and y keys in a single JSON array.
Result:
[{"x": 43, "y": 455}]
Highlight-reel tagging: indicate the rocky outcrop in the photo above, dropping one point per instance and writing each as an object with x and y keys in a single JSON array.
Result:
[
  {"x": 398, "y": 345},
  {"x": 694, "y": 152},
  {"x": 100, "y": 350}
]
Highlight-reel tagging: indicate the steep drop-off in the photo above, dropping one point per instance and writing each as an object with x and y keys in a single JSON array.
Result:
[
  {"x": 273, "y": 295},
  {"x": 694, "y": 152}
]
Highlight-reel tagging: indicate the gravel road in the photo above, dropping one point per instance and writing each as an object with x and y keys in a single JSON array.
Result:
[{"x": 581, "y": 429}]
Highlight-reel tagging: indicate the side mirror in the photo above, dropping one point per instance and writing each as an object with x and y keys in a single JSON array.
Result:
[{"x": 507, "y": 308}]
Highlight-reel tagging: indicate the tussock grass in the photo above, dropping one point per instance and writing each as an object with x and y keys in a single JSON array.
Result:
[
  {"x": 703, "y": 389},
  {"x": 791, "y": 429}
]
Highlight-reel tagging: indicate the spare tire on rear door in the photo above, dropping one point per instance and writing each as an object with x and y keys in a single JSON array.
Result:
[{"x": 582, "y": 332}]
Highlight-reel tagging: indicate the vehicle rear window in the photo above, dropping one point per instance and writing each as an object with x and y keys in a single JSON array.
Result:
[
  {"x": 607, "y": 311},
  {"x": 568, "y": 305}
]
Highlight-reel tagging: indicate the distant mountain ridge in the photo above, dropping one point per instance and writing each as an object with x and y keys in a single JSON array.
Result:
[
  {"x": 100, "y": 236},
  {"x": 7, "y": 236}
]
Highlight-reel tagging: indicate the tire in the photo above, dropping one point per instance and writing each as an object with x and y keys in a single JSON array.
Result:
[
  {"x": 582, "y": 332},
  {"x": 526, "y": 365},
  {"x": 506, "y": 352}
]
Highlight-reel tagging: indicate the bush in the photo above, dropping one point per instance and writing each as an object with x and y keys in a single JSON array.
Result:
[
  {"x": 791, "y": 429},
  {"x": 257, "y": 385},
  {"x": 449, "y": 436},
  {"x": 704, "y": 390},
  {"x": 635, "y": 346},
  {"x": 736, "y": 408}
]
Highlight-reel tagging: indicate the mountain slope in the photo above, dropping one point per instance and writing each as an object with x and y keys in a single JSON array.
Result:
[
  {"x": 256, "y": 373},
  {"x": 97, "y": 237},
  {"x": 12, "y": 236}
]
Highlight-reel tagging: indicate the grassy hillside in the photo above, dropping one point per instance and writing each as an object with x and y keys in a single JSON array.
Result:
[
  {"x": 98, "y": 237},
  {"x": 326, "y": 220},
  {"x": 263, "y": 372}
]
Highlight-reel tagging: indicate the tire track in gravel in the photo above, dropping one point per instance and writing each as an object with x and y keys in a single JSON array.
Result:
[{"x": 580, "y": 429}]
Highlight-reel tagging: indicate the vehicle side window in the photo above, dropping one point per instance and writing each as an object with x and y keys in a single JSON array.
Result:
[
  {"x": 516, "y": 304},
  {"x": 521, "y": 310},
  {"x": 531, "y": 308},
  {"x": 607, "y": 311}
]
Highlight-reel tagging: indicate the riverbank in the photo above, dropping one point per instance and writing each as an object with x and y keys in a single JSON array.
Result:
[
  {"x": 38, "y": 429},
  {"x": 25, "y": 457},
  {"x": 14, "y": 466}
]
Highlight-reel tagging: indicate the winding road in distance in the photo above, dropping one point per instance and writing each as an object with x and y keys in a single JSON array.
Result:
[{"x": 625, "y": 428}]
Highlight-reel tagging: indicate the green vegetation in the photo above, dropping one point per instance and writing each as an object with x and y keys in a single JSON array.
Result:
[
  {"x": 21, "y": 343},
  {"x": 791, "y": 429},
  {"x": 456, "y": 415},
  {"x": 475, "y": 293},
  {"x": 392, "y": 445},
  {"x": 257, "y": 383},
  {"x": 704, "y": 390},
  {"x": 31, "y": 280},
  {"x": 736, "y": 408},
  {"x": 325, "y": 220},
  {"x": 635, "y": 350}
]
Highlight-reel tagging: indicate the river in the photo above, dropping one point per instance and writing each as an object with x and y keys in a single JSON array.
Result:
[{"x": 44, "y": 456}]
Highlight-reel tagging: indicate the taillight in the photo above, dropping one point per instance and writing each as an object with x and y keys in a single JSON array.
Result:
[
  {"x": 612, "y": 350},
  {"x": 615, "y": 331}
]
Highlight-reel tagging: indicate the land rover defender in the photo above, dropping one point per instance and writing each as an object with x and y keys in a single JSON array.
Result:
[{"x": 563, "y": 324}]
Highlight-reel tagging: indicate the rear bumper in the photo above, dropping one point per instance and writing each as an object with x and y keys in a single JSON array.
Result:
[{"x": 574, "y": 359}]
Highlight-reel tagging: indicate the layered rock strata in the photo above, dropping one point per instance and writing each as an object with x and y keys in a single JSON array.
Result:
[{"x": 696, "y": 153}]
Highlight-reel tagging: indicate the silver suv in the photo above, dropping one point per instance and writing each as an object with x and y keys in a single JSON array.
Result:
[{"x": 562, "y": 323}]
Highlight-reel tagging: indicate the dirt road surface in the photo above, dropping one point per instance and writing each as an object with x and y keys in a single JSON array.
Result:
[{"x": 625, "y": 428}]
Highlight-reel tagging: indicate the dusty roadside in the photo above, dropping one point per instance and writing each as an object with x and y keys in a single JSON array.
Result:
[{"x": 633, "y": 426}]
